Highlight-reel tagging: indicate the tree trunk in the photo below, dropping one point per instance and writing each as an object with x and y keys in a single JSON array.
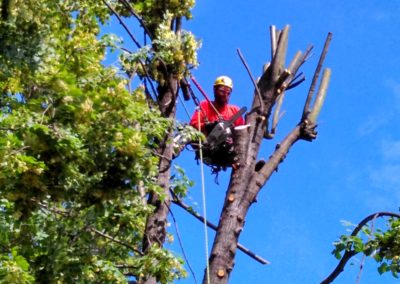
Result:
[{"x": 155, "y": 231}]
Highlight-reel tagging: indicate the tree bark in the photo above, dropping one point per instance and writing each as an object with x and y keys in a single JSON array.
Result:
[{"x": 155, "y": 231}]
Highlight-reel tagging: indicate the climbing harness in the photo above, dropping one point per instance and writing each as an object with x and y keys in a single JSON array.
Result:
[{"x": 218, "y": 151}]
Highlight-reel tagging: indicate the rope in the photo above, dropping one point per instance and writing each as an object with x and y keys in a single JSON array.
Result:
[
  {"x": 181, "y": 243},
  {"x": 184, "y": 106},
  {"x": 204, "y": 200},
  {"x": 206, "y": 97}
]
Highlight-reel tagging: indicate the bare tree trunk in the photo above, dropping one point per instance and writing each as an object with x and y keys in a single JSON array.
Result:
[{"x": 251, "y": 175}]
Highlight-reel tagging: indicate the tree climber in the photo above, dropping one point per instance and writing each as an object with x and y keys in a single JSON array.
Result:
[
  {"x": 216, "y": 120},
  {"x": 220, "y": 108}
]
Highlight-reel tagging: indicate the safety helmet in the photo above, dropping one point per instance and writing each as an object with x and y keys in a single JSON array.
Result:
[{"x": 224, "y": 81}]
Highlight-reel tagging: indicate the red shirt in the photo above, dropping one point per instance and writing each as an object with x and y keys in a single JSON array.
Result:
[{"x": 208, "y": 111}]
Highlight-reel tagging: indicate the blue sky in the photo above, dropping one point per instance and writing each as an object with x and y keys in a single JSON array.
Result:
[{"x": 350, "y": 171}]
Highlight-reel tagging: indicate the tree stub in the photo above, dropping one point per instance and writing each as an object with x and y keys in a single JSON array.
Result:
[{"x": 221, "y": 273}]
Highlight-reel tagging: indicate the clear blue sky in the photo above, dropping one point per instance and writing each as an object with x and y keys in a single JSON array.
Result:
[{"x": 350, "y": 171}]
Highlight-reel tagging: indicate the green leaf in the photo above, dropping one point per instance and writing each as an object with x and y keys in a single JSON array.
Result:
[
  {"x": 383, "y": 268},
  {"x": 21, "y": 261}
]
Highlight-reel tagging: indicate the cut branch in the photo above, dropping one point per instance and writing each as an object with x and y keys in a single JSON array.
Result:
[
  {"x": 278, "y": 61},
  {"x": 273, "y": 40},
  {"x": 319, "y": 100},
  {"x": 314, "y": 81},
  {"x": 277, "y": 115}
]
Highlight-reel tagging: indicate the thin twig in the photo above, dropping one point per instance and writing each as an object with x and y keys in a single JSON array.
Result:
[
  {"x": 306, "y": 56},
  {"x": 67, "y": 214},
  {"x": 252, "y": 80},
  {"x": 147, "y": 75},
  {"x": 161, "y": 156},
  {"x": 123, "y": 24},
  {"x": 295, "y": 84},
  {"x": 116, "y": 241},
  {"x": 364, "y": 256},
  {"x": 133, "y": 12},
  {"x": 149, "y": 79}
]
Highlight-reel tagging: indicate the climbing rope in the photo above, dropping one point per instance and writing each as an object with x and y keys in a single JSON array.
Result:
[
  {"x": 204, "y": 199},
  {"x": 184, "y": 106}
]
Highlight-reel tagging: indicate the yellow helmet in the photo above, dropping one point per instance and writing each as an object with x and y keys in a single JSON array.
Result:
[{"x": 224, "y": 81}]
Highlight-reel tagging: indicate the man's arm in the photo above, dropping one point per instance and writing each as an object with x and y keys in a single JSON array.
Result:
[{"x": 239, "y": 121}]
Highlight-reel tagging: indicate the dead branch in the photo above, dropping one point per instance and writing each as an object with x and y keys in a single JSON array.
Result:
[
  {"x": 278, "y": 61},
  {"x": 316, "y": 75},
  {"x": 277, "y": 115},
  {"x": 252, "y": 80},
  {"x": 319, "y": 100},
  {"x": 300, "y": 78},
  {"x": 273, "y": 40}
]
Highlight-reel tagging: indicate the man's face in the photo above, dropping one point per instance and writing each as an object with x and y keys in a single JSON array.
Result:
[{"x": 221, "y": 94}]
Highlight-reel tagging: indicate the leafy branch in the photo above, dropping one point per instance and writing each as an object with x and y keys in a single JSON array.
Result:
[{"x": 353, "y": 245}]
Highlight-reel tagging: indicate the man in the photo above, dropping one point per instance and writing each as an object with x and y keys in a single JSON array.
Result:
[
  {"x": 220, "y": 108},
  {"x": 218, "y": 150}
]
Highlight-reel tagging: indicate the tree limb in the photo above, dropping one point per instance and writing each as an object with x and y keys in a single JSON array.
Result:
[
  {"x": 115, "y": 240},
  {"x": 349, "y": 254},
  {"x": 316, "y": 75},
  {"x": 133, "y": 12},
  {"x": 252, "y": 80},
  {"x": 273, "y": 40},
  {"x": 214, "y": 227},
  {"x": 319, "y": 100},
  {"x": 122, "y": 23}
]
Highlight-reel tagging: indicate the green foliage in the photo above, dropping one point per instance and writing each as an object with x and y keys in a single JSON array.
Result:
[
  {"x": 382, "y": 246},
  {"x": 180, "y": 183},
  {"x": 153, "y": 11},
  {"x": 171, "y": 52},
  {"x": 174, "y": 53},
  {"x": 76, "y": 148}
]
